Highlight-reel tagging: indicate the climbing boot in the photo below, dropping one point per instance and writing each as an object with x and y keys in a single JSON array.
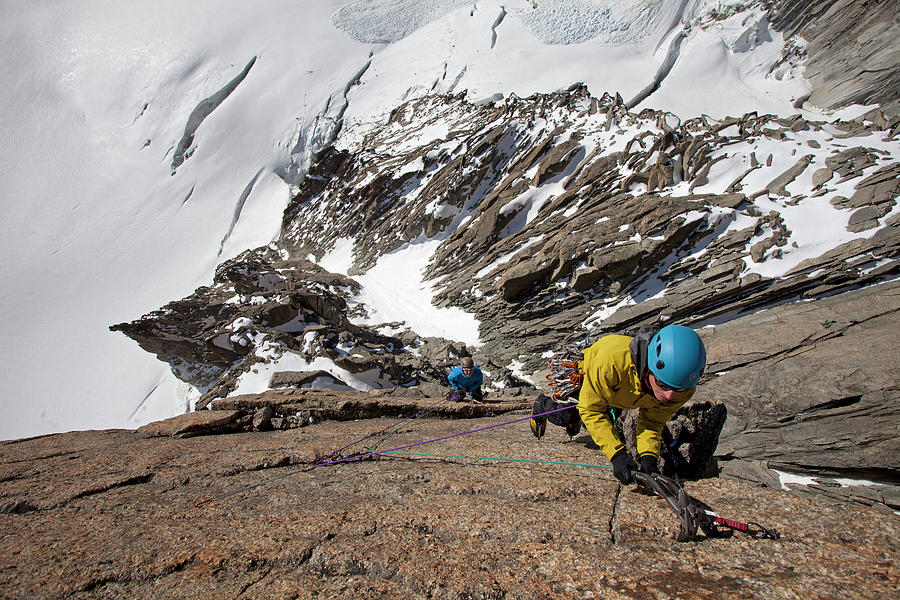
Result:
[
  {"x": 573, "y": 428},
  {"x": 538, "y": 426}
]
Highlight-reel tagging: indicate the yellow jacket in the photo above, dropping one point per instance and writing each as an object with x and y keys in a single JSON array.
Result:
[{"x": 611, "y": 379}]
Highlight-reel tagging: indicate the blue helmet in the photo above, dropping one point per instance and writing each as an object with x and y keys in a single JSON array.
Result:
[{"x": 676, "y": 356}]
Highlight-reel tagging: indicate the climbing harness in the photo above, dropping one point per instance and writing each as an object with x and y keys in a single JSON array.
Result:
[{"x": 694, "y": 515}]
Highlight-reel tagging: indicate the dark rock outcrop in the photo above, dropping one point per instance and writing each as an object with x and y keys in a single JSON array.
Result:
[
  {"x": 262, "y": 306},
  {"x": 689, "y": 439},
  {"x": 209, "y": 332}
]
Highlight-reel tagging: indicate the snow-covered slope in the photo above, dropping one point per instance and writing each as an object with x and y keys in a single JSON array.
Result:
[
  {"x": 145, "y": 143},
  {"x": 96, "y": 226}
]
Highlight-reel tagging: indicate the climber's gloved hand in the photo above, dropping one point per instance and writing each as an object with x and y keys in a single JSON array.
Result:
[
  {"x": 649, "y": 464},
  {"x": 623, "y": 466},
  {"x": 456, "y": 396}
]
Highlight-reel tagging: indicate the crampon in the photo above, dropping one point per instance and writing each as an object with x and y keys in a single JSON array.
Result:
[{"x": 695, "y": 516}]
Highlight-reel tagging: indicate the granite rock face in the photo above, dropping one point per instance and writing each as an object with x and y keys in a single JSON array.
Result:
[
  {"x": 803, "y": 388},
  {"x": 117, "y": 514},
  {"x": 558, "y": 217}
]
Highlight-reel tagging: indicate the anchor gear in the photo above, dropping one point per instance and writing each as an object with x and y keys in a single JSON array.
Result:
[
  {"x": 614, "y": 414},
  {"x": 694, "y": 515},
  {"x": 623, "y": 466},
  {"x": 565, "y": 382},
  {"x": 676, "y": 357}
]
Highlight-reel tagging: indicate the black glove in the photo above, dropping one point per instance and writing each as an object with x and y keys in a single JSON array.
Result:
[
  {"x": 649, "y": 464},
  {"x": 623, "y": 465},
  {"x": 456, "y": 396}
]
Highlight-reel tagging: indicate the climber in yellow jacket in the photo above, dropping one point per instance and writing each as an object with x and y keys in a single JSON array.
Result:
[{"x": 656, "y": 376}]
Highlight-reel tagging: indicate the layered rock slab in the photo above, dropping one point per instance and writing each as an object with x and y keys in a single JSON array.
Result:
[
  {"x": 114, "y": 514},
  {"x": 811, "y": 386}
]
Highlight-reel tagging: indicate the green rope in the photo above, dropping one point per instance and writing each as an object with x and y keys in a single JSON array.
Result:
[{"x": 527, "y": 460}]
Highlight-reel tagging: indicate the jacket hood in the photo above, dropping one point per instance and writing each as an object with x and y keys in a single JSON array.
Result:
[{"x": 638, "y": 348}]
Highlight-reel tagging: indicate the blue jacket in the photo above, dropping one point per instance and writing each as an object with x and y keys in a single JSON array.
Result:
[{"x": 460, "y": 382}]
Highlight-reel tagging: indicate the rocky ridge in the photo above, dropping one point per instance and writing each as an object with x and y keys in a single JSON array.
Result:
[
  {"x": 561, "y": 216},
  {"x": 575, "y": 211},
  {"x": 263, "y": 304}
]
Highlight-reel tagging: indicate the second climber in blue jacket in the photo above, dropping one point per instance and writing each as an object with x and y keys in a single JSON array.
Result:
[{"x": 466, "y": 378}]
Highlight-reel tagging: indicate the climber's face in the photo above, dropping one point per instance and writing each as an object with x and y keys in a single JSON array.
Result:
[{"x": 664, "y": 393}]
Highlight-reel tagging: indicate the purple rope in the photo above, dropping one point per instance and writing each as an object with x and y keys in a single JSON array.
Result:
[
  {"x": 446, "y": 437},
  {"x": 371, "y": 435}
]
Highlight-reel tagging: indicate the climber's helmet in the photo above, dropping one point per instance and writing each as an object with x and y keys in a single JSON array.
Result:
[
  {"x": 467, "y": 364},
  {"x": 677, "y": 357}
]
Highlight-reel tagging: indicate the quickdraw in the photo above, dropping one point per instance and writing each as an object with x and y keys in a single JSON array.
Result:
[{"x": 694, "y": 516}]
